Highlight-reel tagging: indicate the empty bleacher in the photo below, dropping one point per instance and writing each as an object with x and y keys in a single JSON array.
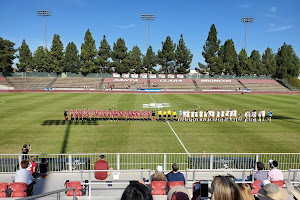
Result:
[
  {"x": 173, "y": 84},
  {"x": 78, "y": 83},
  {"x": 4, "y": 84},
  {"x": 30, "y": 83},
  {"x": 125, "y": 83},
  {"x": 263, "y": 85},
  {"x": 219, "y": 84}
]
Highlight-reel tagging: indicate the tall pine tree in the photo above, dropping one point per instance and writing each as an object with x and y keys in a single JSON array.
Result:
[
  {"x": 88, "y": 54},
  {"x": 42, "y": 60},
  {"x": 229, "y": 58},
  {"x": 135, "y": 60},
  {"x": 244, "y": 63},
  {"x": 149, "y": 61},
  {"x": 7, "y": 52},
  {"x": 166, "y": 56},
  {"x": 120, "y": 57},
  {"x": 25, "y": 58},
  {"x": 256, "y": 63},
  {"x": 287, "y": 61},
  {"x": 183, "y": 57},
  {"x": 57, "y": 54},
  {"x": 210, "y": 50},
  {"x": 104, "y": 54},
  {"x": 269, "y": 61},
  {"x": 71, "y": 59}
]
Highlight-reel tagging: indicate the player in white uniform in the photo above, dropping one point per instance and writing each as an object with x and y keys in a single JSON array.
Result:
[
  {"x": 235, "y": 114},
  {"x": 188, "y": 115},
  {"x": 226, "y": 115},
  {"x": 246, "y": 115},
  {"x": 254, "y": 116},
  {"x": 196, "y": 115},
  {"x": 208, "y": 115},
  {"x": 184, "y": 115},
  {"x": 201, "y": 115},
  {"x": 222, "y": 115},
  {"x": 263, "y": 114},
  {"x": 205, "y": 115},
  {"x": 218, "y": 115},
  {"x": 213, "y": 113},
  {"x": 259, "y": 116},
  {"x": 230, "y": 115},
  {"x": 192, "y": 116}
]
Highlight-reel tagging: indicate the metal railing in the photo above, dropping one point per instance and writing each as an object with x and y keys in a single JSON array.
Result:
[
  {"x": 50, "y": 193},
  {"x": 293, "y": 176},
  {"x": 9, "y": 163}
]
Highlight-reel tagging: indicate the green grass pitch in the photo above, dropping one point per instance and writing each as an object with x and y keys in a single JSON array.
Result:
[{"x": 22, "y": 116}]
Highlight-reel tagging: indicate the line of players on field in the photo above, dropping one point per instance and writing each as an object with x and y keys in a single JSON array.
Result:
[{"x": 185, "y": 115}]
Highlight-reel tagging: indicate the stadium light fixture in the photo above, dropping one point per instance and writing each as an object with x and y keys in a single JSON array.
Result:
[
  {"x": 247, "y": 20},
  {"x": 147, "y": 17},
  {"x": 44, "y": 13}
]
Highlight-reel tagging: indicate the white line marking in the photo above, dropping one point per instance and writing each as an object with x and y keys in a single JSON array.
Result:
[
  {"x": 174, "y": 132},
  {"x": 179, "y": 139}
]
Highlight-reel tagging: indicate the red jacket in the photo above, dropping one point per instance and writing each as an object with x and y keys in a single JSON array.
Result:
[{"x": 101, "y": 165}]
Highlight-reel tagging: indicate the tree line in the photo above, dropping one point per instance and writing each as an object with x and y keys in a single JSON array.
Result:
[{"x": 172, "y": 58}]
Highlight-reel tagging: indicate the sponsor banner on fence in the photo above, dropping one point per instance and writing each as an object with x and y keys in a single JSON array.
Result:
[
  {"x": 152, "y": 75},
  {"x": 216, "y": 80},
  {"x": 161, "y": 76},
  {"x": 171, "y": 81},
  {"x": 144, "y": 75},
  {"x": 125, "y": 75},
  {"x": 115, "y": 75},
  {"x": 180, "y": 76},
  {"x": 171, "y": 76},
  {"x": 129, "y": 80},
  {"x": 134, "y": 76}
]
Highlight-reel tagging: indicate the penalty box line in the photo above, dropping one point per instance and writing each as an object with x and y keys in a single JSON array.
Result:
[{"x": 174, "y": 132}]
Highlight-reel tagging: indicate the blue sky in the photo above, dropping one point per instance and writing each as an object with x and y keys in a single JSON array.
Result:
[{"x": 275, "y": 22}]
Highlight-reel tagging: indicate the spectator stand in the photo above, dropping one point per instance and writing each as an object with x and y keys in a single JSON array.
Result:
[
  {"x": 219, "y": 84},
  {"x": 260, "y": 85}
]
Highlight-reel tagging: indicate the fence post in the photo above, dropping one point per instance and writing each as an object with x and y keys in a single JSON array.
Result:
[
  {"x": 211, "y": 161},
  {"x": 20, "y": 159},
  {"x": 70, "y": 163},
  {"x": 118, "y": 161},
  {"x": 165, "y": 161},
  {"x": 257, "y": 159}
]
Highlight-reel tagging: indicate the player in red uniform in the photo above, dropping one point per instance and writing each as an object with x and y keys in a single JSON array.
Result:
[
  {"x": 97, "y": 114},
  {"x": 121, "y": 114},
  {"x": 76, "y": 115},
  {"x": 80, "y": 115},
  {"x": 129, "y": 114},
  {"x": 100, "y": 113},
  {"x": 72, "y": 114},
  {"x": 113, "y": 114},
  {"x": 88, "y": 114},
  {"x": 125, "y": 115},
  {"x": 93, "y": 114},
  {"x": 104, "y": 115},
  {"x": 145, "y": 115},
  {"x": 149, "y": 115},
  {"x": 84, "y": 114}
]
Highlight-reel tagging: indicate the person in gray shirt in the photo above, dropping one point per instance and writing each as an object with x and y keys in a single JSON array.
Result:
[{"x": 260, "y": 174}]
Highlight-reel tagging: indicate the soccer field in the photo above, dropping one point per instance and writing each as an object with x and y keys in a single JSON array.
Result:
[{"x": 23, "y": 117}]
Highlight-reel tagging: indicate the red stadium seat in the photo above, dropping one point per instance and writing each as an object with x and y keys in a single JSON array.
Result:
[
  {"x": 3, "y": 190},
  {"x": 158, "y": 187},
  {"x": 279, "y": 183},
  {"x": 255, "y": 186},
  {"x": 174, "y": 183},
  {"x": 78, "y": 188},
  {"x": 18, "y": 189}
]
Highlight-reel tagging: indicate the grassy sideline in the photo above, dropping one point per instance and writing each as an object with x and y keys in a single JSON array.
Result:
[{"x": 22, "y": 116}]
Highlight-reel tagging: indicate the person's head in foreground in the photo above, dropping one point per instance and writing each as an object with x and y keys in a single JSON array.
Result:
[
  {"x": 24, "y": 164},
  {"x": 224, "y": 188},
  {"x": 136, "y": 191},
  {"x": 272, "y": 191},
  {"x": 246, "y": 191},
  {"x": 178, "y": 192}
]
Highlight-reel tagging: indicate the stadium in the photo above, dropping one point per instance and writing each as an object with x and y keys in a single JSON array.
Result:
[{"x": 155, "y": 111}]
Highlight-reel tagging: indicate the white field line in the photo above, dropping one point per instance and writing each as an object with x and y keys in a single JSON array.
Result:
[{"x": 174, "y": 132}]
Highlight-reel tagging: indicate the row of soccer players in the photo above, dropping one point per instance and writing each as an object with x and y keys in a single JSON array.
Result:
[{"x": 261, "y": 114}]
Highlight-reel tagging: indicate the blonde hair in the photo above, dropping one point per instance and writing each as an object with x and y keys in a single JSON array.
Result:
[
  {"x": 246, "y": 191},
  {"x": 224, "y": 188},
  {"x": 158, "y": 176},
  {"x": 32, "y": 159}
]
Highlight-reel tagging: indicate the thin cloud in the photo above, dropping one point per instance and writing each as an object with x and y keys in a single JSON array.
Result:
[
  {"x": 124, "y": 26},
  {"x": 274, "y": 28},
  {"x": 273, "y": 9}
]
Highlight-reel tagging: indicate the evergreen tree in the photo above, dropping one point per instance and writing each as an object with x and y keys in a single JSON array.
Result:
[
  {"x": 104, "y": 54},
  {"x": 149, "y": 61},
  {"x": 229, "y": 58},
  {"x": 244, "y": 62},
  {"x": 7, "y": 52},
  {"x": 135, "y": 60},
  {"x": 88, "y": 54},
  {"x": 256, "y": 63},
  {"x": 287, "y": 61},
  {"x": 210, "y": 50},
  {"x": 183, "y": 57},
  {"x": 42, "y": 60},
  {"x": 25, "y": 58},
  {"x": 57, "y": 54},
  {"x": 71, "y": 59},
  {"x": 166, "y": 57},
  {"x": 269, "y": 61},
  {"x": 120, "y": 57}
]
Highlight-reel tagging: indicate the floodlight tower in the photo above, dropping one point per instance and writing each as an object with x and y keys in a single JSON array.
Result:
[
  {"x": 147, "y": 17},
  {"x": 44, "y": 13},
  {"x": 246, "y": 20}
]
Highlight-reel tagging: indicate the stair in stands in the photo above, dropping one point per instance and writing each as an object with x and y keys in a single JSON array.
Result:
[
  {"x": 52, "y": 82},
  {"x": 100, "y": 84},
  {"x": 245, "y": 87},
  {"x": 12, "y": 85},
  {"x": 196, "y": 84},
  {"x": 148, "y": 83}
]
